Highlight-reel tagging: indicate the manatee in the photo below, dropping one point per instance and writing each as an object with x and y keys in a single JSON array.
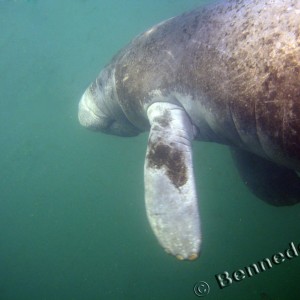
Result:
[{"x": 226, "y": 73}]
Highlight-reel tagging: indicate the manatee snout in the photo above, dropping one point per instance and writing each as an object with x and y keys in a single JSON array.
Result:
[
  {"x": 95, "y": 115},
  {"x": 90, "y": 115}
]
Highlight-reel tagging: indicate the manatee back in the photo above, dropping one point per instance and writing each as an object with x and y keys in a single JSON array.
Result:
[
  {"x": 248, "y": 71},
  {"x": 238, "y": 63}
]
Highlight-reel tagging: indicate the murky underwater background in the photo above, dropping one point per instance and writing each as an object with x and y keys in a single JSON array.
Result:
[{"x": 72, "y": 217}]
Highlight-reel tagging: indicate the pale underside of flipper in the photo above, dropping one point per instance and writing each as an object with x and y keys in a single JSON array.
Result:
[{"x": 170, "y": 193}]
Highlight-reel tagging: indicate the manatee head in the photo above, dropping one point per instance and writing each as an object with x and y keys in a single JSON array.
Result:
[{"x": 99, "y": 107}]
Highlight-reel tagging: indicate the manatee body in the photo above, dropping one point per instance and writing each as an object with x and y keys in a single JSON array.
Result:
[{"x": 227, "y": 73}]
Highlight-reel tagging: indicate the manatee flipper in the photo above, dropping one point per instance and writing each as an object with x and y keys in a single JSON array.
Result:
[
  {"x": 276, "y": 185},
  {"x": 170, "y": 193}
]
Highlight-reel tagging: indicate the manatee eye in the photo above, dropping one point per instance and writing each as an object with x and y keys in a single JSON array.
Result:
[{"x": 99, "y": 82}]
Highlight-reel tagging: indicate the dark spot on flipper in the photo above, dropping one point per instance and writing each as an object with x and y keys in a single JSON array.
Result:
[
  {"x": 272, "y": 183},
  {"x": 163, "y": 155},
  {"x": 163, "y": 120}
]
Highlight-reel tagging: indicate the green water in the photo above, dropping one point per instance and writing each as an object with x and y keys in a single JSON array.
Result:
[{"x": 72, "y": 217}]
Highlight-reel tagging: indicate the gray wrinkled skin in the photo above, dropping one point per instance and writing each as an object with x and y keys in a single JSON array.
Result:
[{"x": 237, "y": 63}]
